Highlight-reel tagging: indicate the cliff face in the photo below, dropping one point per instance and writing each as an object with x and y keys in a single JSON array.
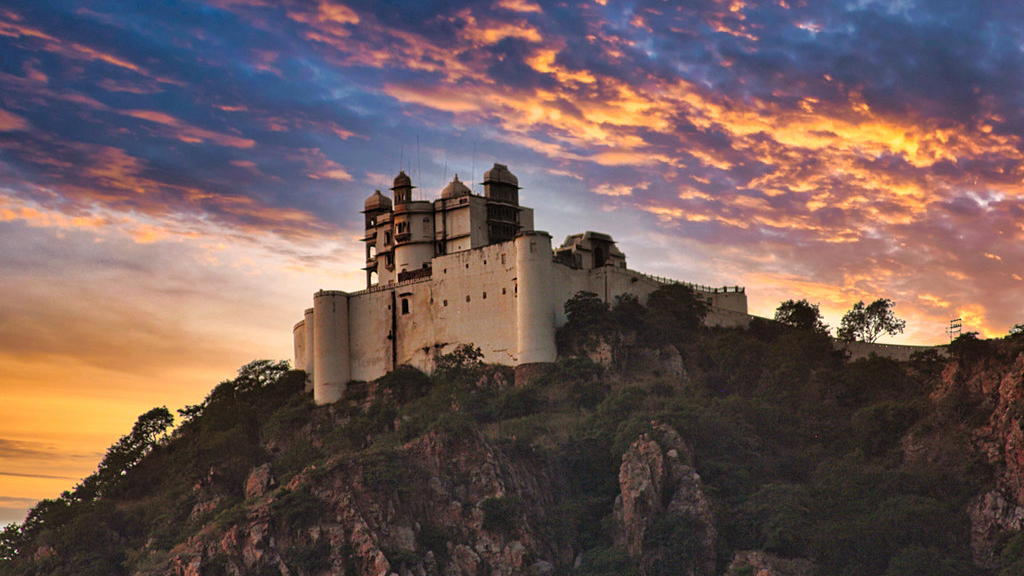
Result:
[
  {"x": 444, "y": 504},
  {"x": 993, "y": 393},
  {"x": 450, "y": 504}
]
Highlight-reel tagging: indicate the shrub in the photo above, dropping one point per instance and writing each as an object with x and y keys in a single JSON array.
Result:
[
  {"x": 309, "y": 559},
  {"x": 406, "y": 383},
  {"x": 298, "y": 508},
  {"x": 501, "y": 514}
]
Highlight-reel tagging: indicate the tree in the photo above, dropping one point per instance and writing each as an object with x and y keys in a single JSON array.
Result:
[
  {"x": 867, "y": 323},
  {"x": 1017, "y": 331},
  {"x": 464, "y": 362},
  {"x": 674, "y": 313},
  {"x": 11, "y": 541},
  {"x": 802, "y": 315}
]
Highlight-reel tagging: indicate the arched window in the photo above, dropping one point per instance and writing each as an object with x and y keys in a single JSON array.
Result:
[{"x": 372, "y": 252}]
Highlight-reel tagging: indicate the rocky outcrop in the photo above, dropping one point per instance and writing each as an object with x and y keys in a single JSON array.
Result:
[
  {"x": 991, "y": 392},
  {"x": 418, "y": 510},
  {"x": 662, "y": 511}
]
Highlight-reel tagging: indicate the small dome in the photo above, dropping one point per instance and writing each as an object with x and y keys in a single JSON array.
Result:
[
  {"x": 402, "y": 181},
  {"x": 501, "y": 175},
  {"x": 377, "y": 202},
  {"x": 455, "y": 189}
]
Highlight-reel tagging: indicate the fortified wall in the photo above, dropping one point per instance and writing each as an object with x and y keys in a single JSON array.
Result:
[{"x": 465, "y": 269}]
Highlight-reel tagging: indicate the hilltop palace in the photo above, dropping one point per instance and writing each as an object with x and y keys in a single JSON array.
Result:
[{"x": 464, "y": 269}]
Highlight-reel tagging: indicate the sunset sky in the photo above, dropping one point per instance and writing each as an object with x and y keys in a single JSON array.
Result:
[{"x": 177, "y": 178}]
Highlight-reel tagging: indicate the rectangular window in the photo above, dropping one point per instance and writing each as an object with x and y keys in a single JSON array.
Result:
[
  {"x": 533, "y": 246},
  {"x": 485, "y": 295},
  {"x": 405, "y": 305}
]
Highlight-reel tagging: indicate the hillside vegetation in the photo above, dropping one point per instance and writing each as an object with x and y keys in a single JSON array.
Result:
[{"x": 693, "y": 451}]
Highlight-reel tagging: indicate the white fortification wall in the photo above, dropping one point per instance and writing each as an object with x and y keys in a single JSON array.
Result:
[
  {"x": 470, "y": 298},
  {"x": 506, "y": 298}
]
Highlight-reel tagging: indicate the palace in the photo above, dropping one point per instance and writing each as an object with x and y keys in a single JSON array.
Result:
[{"x": 464, "y": 269}]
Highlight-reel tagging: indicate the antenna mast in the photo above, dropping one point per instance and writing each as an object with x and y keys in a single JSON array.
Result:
[
  {"x": 419, "y": 166},
  {"x": 954, "y": 328}
]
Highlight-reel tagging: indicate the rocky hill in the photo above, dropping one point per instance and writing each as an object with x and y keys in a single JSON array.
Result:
[{"x": 721, "y": 451}]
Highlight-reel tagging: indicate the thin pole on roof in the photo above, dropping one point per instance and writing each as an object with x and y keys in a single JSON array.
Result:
[{"x": 419, "y": 165}]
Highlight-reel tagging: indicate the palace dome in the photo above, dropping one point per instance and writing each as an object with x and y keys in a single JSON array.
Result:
[
  {"x": 376, "y": 202},
  {"x": 402, "y": 180},
  {"x": 455, "y": 188},
  {"x": 500, "y": 174}
]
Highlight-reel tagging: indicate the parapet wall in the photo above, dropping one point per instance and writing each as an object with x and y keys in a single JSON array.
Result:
[{"x": 901, "y": 352}]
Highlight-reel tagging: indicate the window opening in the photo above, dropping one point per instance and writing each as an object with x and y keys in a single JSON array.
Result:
[{"x": 405, "y": 305}]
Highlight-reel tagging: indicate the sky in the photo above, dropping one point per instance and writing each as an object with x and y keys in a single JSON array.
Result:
[{"x": 177, "y": 178}]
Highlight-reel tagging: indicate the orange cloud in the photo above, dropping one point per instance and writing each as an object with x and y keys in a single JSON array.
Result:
[
  {"x": 519, "y": 6},
  {"x": 10, "y": 122},
  {"x": 188, "y": 133}
]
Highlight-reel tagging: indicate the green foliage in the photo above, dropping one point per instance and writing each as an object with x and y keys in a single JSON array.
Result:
[
  {"x": 434, "y": 537},
  {"x": 781, "y": 516},
  {"x": 311, "y": 559},
  {"x": 518, "y": 402},
  {"x": 929, "y": 561},
  {"x": 1011, "y": 556},
  {"x": 298, "y": 508},
  {"x": 465, "y": 360},
  {"x": 968, "y": 348},
  {"x": 867, "y": 323},
  {"x": 501, "y": 514},
  {"x": 588, "y": 321},
  {"x": 675, "y": 314},
  {"x": 405, "y": 383},
  {"x": 628, "y": 314},
  {"x": 879, "y": 427},
  {"x": 607, "y": 561},
  {"x": 586, "y": 311},
  {"x": 802, "y": 315},
  {"x": 11, "y": 541},
  {"x": 675, "y": 541},
  {"x": 926, "y": 365}
]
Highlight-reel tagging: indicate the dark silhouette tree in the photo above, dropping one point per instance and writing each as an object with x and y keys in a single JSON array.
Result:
[
  {"x": 802, "y": 315},
  {"x": 867, "y": 323},
  {"x": 675, "y": 313}
]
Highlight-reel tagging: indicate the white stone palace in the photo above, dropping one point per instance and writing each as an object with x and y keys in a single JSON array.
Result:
[{"x": 464, "y": 269}]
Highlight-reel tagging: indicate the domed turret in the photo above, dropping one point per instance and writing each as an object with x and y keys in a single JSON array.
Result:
[
  {"x": 500, "y": 185},
  {"x": 402, "y": 188},
  {"x": 454, "y": 189},
  {"x": 499, "y": 174},
  {"x": 377, "y": 202},
  {"x": 402, "y": 180}
]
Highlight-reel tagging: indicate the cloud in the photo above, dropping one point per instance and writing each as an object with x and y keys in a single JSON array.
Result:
[
  {"x": 190, "y": 134},
  {"x": 12, "y": 122}
]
